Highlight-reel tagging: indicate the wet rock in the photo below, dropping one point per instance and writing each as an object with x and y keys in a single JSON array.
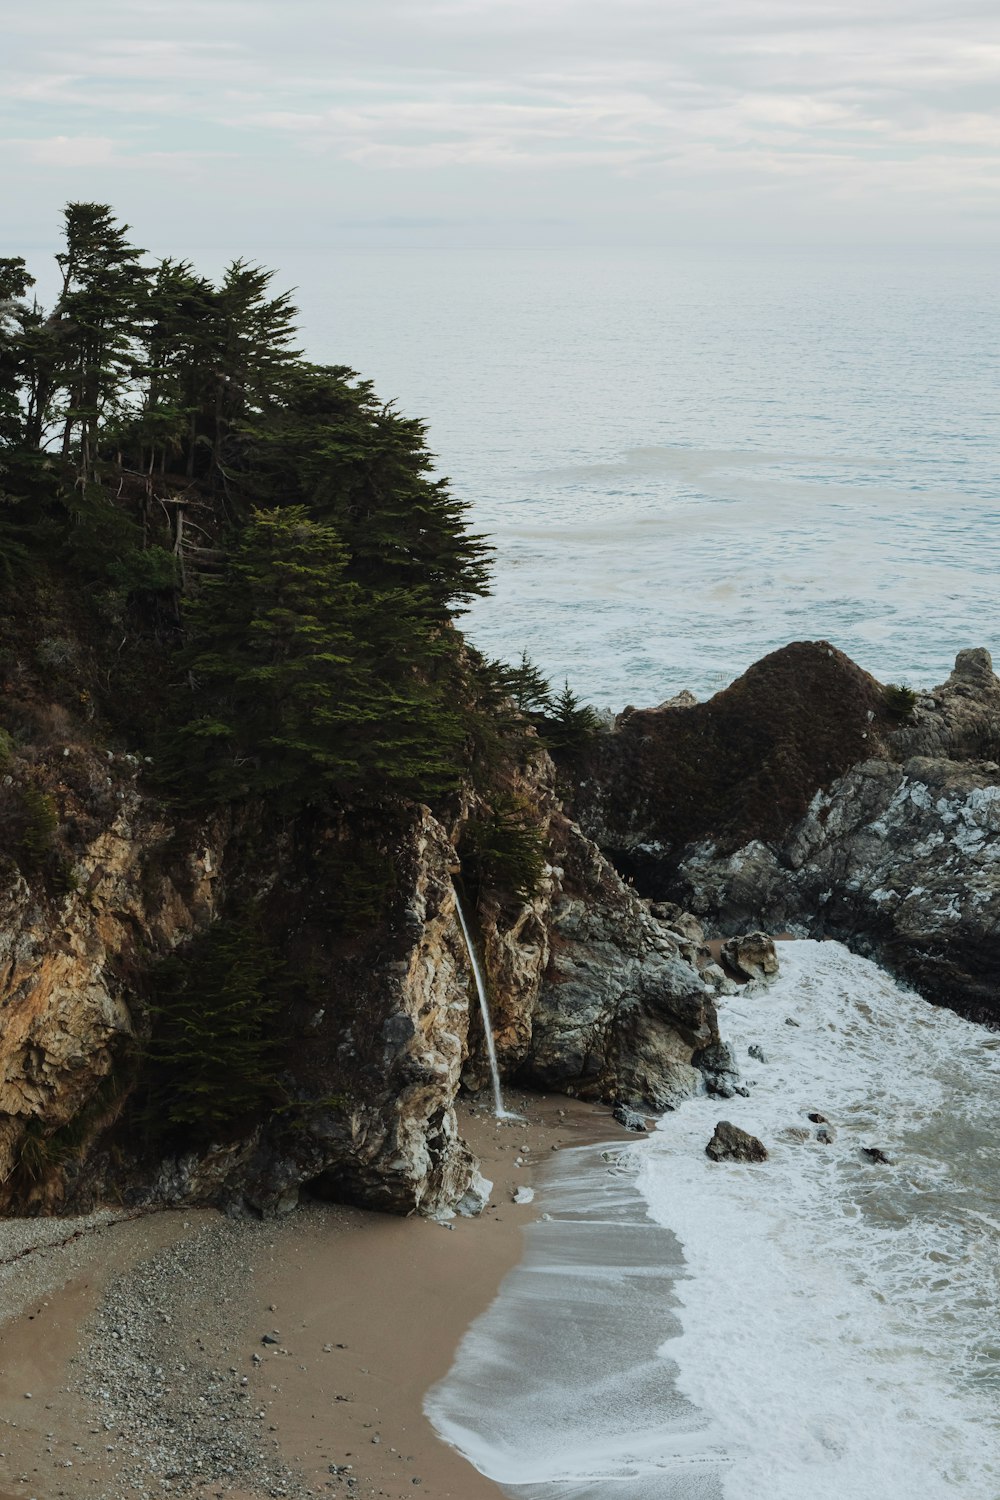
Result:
[
  {"x": 718, "y": 1068},
  {"x": 817, "y": 1118},
  {"x": 877, "y": 1155},
  {"x": 826, "y": 1135},
  {"x": 730, "y": 1143},
  {"x": 630, "y": 1118},
  {"x": 757, "y": 1052},
  {"x": 752, "y": 955}
]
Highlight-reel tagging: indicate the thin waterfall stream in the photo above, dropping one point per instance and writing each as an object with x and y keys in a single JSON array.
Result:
[{"x": 484, "y": 1006}]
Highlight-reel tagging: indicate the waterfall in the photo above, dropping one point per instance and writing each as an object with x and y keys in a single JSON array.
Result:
[{"x": 484, "y": 1006}]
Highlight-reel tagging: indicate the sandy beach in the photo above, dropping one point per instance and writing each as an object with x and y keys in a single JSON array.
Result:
[{"x": 187, "y": 1353}]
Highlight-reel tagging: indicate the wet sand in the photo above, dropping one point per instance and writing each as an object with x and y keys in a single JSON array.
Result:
[{"x": 365, "y": 1312}]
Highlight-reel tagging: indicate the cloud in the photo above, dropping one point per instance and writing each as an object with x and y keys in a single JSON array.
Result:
[
  {"x": 68, "y": 150},
  {"x": 387, "y": 93}
]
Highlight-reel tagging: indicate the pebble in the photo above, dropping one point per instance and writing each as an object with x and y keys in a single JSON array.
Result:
[{"x": 171, "y": 1418}]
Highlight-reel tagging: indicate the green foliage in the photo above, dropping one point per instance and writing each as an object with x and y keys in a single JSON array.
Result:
[
  {"x": 39, "y": 824},
  {"x": 360, "y": 878},
  {"x": 529, "y": 689},
  {"x": 900, "y": 701},
  {"x": 323, "y": 440},
  {"x": 153, "y": 571},
  {"x": 504, "y": 851},
  {"x": 309, "y": 687},
  {"x": 214, "y": 1048},
  {"x": 571, "y": 725}
]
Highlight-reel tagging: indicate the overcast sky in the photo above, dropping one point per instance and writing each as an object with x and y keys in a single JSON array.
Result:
[{"x": 301, "y": 123}]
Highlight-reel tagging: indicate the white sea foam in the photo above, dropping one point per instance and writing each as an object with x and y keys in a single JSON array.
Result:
[{"x": 839, "y": 1321}]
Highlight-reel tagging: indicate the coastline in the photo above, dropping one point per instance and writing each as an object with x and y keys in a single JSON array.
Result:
[{"x": 153, "y": 1327}]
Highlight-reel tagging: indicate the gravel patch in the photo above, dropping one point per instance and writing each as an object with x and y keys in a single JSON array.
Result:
[
  {"x": 35, "y": 1254},
  {"x": 169, "y": 1374}
]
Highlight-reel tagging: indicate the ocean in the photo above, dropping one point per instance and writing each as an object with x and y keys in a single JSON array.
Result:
[
  {"x": 686, "y": 460},
  {"x": 816, "y": 1327}
]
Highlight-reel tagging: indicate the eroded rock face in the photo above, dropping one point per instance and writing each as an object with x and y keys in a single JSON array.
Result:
[
  {"x": 902, "y": 862},
  {"x": 66, "y": 1012},
  {"x": 592, "y": 994},
  {"x": 620, "y": 1010}
]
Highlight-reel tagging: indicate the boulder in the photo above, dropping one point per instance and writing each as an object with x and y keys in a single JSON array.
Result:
[
  {"x": 730, "y": 1143},
  {"x": 752, "y": 955},
  {"x": 630, "y": 1118}
]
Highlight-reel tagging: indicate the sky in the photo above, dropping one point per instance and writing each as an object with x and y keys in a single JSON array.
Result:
[{"x": 299, "y": 124}]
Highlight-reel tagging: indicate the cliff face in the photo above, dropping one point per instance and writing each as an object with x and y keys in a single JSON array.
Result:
[
  {"x": 896, "y": 852},
  {"x": 592, "y": 995}
]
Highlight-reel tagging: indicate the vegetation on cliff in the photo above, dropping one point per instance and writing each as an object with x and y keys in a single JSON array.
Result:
[{"x": 236, "y": 572}]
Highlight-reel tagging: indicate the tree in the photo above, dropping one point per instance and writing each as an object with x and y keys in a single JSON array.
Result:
[
  {"x": 98, "y": 317},
  {"x": 251, "y": 336},
  {"x": 178, "y": 357},
  {"x": 311, "y": 689},
  {"x": 14, "y": 283},
  {"x": 571, "y": 725},
  {"x": 325, "y": 441}
]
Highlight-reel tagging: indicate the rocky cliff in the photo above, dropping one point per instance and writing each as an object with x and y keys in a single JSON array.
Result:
[
  {"x": 814, "y": 799},
  {"x": 593, "y": 993}
]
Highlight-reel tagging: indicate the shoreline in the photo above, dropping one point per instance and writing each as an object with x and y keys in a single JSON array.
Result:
[{"x": 152, "y": 1347}]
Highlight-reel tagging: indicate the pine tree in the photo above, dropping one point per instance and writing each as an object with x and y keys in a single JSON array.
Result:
[
  {"x": 572, "y": 724},
  {"x": 98, "y": 317},
  {"x": 314, "y": 691},
  {"x": 325, "y": 441}
]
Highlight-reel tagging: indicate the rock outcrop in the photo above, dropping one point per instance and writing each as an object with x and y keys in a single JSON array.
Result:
[
  {"x": 593, "y": 994},
  {"x": 896, "y": 853},
  {"x": 620, "y": 1009}
]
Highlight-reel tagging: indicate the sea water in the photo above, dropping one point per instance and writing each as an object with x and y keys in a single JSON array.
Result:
[
  {"x": 842, "y": 1318},
  {"x": 687, "y": 459},
  {"x": 815, "y": 1327}
]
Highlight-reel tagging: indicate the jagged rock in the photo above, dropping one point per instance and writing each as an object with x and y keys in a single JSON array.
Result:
[
  {"x": 757, "y": 1052},
  {"x": 752, "y": 955},
  {"x": 826, "y": 1135},
  {"x": 717, "y": 979},
  {"x": 620, "y": 1011},
  {"x": 730, "y": 1143},
  {"x": 591, "y": 994},
  {"x": 678, "y": 921},
  {"x": 886, "y": 837},
  {"x": 630, "y": 1118},
  {"x": 718, "y": 1068},
  {"x": 877, "y": 1155},
  {"x": 817, "y": 1118}
]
